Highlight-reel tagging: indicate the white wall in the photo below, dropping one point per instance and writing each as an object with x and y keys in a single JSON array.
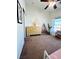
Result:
[
  {"x": 20, "y": 34},
  {"x": 20, "y": 39},
  {"x": 34, "y": 15},
  {"x": 40, "y": 16}
]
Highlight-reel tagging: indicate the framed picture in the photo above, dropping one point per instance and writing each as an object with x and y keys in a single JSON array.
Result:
[{"x": 19, "y": 13}]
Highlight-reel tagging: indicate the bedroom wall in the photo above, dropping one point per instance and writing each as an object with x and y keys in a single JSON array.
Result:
[
  {"x": 20, "y": 34},
  {"x": 34, "y": 15},
  {"x": 35, "y": 12},
  {"x": 20, "y": 39}
]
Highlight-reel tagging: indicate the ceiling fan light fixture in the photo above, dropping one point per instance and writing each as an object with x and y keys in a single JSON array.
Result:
[{"x": 52, "y": 4}]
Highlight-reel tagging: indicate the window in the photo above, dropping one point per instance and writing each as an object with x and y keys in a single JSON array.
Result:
[{"x": 56, "y": 25}]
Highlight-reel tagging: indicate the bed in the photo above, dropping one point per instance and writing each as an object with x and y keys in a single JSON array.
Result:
[{"x": 55, "y": 55}]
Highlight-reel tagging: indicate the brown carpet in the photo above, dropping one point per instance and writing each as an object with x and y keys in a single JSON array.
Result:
[{"x": 35, "y": 45}]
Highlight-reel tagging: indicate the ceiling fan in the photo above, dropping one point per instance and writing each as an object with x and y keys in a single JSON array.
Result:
[{"x": 52, "y": 3}]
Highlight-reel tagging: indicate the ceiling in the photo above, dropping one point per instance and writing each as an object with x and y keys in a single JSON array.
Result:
[{"x": 36, "y": 4}]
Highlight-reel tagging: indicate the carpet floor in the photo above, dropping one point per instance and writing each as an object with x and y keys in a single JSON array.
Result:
[{"x": 35, "y": 45}]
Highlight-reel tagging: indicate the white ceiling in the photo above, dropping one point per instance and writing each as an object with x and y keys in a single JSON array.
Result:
[{"x": 36, "y": 4}]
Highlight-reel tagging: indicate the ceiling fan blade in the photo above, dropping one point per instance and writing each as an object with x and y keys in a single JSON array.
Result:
[
  {"x": 46, "y": 7},
  {"x": 52, "y": 3},
  {"x": 58, "y": 0},
  {"x": 54, "y": 6}
]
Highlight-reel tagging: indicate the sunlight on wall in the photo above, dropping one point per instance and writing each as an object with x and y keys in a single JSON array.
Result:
[{"x": 35, "y": 17}]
